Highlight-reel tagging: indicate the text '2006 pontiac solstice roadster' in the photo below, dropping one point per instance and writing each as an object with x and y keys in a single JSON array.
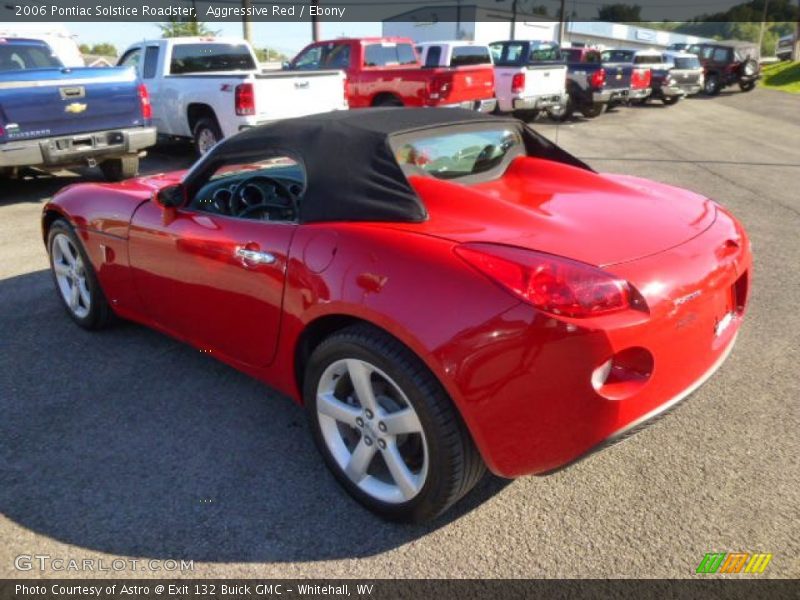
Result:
[{"x": 445, "y": 292}]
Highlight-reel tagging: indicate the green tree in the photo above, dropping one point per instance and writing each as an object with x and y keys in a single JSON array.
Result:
[
  {"x": 620, "y": 13},
  {"x": 175, "y": 28},
  {"x": 104, "y": 49},
  {"x": 270, "y": 55},
  {"x": 85, "y": 49}
]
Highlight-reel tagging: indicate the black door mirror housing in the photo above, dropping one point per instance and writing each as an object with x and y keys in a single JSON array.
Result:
[{"x": 171, "y": 196}]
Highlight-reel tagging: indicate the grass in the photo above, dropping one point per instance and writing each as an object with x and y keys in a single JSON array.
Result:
[{"x": 784, "y": 76}]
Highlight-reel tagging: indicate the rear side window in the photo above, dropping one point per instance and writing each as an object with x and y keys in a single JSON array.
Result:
[
  {"x": 470, "y": 55},
  {"x": 387, "y": 55},
  {"x": 720, "y": 55},
  {"x": 150, "y": 62},
  {"x": 19, "y": 57},
  {"x": 481, "y": 154},
  {"x": 433, "y": 56},
  {"x": 204, "y": 58},
  {"x": 592, "y": 58}
]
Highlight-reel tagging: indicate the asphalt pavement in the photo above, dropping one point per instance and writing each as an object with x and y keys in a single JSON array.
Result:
[{"x": 126, "y": 444}]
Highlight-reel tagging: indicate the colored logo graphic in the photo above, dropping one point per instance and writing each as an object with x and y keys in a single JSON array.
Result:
[{"x": 734, "y": 562}]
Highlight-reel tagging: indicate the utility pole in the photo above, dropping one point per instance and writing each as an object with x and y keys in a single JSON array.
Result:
[
  {"x": 247, "y": 23},
  {"x": 513, "y": 19},
  {"x": 562, "y": 23},
  {"x": 796, "y": 53},
  {"x": 763, "y": 26},
  {"x": 315, "y": 35}
]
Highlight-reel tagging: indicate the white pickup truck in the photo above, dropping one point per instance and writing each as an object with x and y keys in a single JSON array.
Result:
[
  {"x": 207, "y": 89},
  {"x": 530, "y": 76}
]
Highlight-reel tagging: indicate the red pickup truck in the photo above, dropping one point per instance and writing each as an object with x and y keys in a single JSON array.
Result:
[{"x": 387, "y": 72}]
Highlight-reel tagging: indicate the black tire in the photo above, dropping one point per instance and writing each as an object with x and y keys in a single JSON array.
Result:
[
  {"x": 206, "y": 130},
  {"x": 100, "y": 314},
  {"x": 670, "y": 100},
  {"x": 119, "y": 169},
  {"x": 563, "y": 113},
  {"x": 747, "y": 86},
  {"x": 712, "y": 87},
  {"x": 387, "y": 101},
  {"x": 592, "y": 111},
  {"x": 454, "y": 464},
  {"x": 640, "y": 101}
]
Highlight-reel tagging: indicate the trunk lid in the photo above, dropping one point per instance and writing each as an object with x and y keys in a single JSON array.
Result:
[
  {"x": 555, "y": 208},
  {"x": 38, "y": 103}
]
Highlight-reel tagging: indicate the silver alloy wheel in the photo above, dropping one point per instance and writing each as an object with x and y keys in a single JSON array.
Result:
[
  {"x": 206, "y": 140},
  {"x": 71, "y": 276},
  {"x": 372, "y": 430}
]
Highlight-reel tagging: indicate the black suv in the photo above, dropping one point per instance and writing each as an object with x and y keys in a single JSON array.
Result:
[{"x": 728, "y": 63}]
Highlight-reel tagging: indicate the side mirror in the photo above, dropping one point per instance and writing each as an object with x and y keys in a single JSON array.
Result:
[{"x": 171, "y": 196}]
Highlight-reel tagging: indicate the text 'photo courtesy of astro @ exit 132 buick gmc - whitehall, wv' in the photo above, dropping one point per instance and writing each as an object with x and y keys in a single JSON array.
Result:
[{"x": 291, "y": 298}]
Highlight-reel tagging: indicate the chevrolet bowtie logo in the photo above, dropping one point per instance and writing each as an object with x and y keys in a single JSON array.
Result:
[{"x": 75, "y": 108}]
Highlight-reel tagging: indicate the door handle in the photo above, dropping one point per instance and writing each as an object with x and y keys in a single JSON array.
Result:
[
  {"x": 301, "y": 85},
  {"x": 254, "y": 257}
]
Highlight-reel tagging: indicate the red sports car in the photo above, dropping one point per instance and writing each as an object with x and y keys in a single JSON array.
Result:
[{"x": 444, "y": 291}]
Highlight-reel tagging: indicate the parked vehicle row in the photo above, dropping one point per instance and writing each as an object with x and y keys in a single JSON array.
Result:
[{"x": 208, "y": 89}]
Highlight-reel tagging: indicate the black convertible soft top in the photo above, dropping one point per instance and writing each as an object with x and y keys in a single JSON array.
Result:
[{"x": 351, "y": 170}]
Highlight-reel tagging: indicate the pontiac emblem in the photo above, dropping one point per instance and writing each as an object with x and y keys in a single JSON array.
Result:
[{"x": 75, "y": 108}]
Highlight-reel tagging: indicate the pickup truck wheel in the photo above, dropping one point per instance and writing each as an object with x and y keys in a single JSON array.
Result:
[
  {"x": 711, "y": 87},
  {"x": 75, "y": 278},
  {"x": 593, "y": 111},
  {"x": 206, "y": 135},
  {"x": 386, "y": 428},
  {"x": 670, "y": 100},
  {"x": 747, "y": 86},
  {"x": 561, "y": 113},
  {"x": 118, "y": 169}
]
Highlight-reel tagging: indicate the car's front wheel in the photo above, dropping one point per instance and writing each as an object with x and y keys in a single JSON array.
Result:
[
  {"x": 712, "y": 86},
  {"x": 592, "y": 111},
  {"x": 75, "y": 278},
  {"x": 670, "y": 100},
  {"x": 386, "y": 428},
  {"x": 747, "y": 86}
]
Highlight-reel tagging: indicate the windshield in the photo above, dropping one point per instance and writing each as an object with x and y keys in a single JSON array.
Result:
[
  {"x": 201, "y": 58},
  {"x": 24, "y": 56},
  {"x": 459, "y": 154}
]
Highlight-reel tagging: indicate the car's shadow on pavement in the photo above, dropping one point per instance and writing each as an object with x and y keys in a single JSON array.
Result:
[{"x": 130, "y": 443}]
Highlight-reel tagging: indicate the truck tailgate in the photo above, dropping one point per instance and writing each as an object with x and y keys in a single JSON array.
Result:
[
  {"x": 618, "y": 75},
  {"x": 545, "y": 80},
  {"x": 467, "y": 83},
  {"x": 285, "y": 94},
  {"x": 50, "y": 102}
]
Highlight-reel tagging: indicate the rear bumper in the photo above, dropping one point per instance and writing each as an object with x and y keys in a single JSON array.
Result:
[
  {"x": 606, "y": 96},
  {"x": 485, "y": 106},
  {"x": 639, "y": 94},
  {"x": 670, "y": 91},
  {"x": 540, "y": 102},
  {"x": 76, "y": 149},
  {"x": 532, "y": 398}
]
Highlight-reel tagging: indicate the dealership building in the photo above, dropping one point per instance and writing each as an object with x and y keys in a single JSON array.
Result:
[{"x": 471, "y": 22}]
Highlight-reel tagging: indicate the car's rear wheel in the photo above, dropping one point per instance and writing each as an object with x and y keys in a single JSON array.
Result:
[
  {"x": 75, "y": 278},
  {"x": 207, "y": 134},
  {"x": 119, "y": 169},
  {"x": 711, "y": 86},
  {"x": 747, "y": 86},
  {"x": 670, "y": 100},
  {"x": 386, "y": 428},
  {"x": 561, "y": 113},
  {"x": 593, "y": 111},
  {"x": 387, "y": 100}
]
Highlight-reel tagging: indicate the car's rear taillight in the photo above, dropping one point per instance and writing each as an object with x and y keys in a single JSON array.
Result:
[
  {"x": 518, "y": 83},
  {"x": 144, "y": 102},
  {"x": 555, "y": 285},
  {"x": 640, "y": 78},
  {"x": 245, "y": 99},
  {"x": 598, "y": 78},
  {"x": 439, "y": 87}
]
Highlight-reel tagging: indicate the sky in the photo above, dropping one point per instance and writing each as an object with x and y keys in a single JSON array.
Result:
[{"x": 284, "y": 37}]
